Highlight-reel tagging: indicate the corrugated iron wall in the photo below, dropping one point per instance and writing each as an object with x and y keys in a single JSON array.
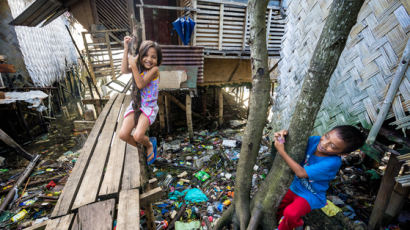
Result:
[
  {"x": 173, "y": 55},
  {"x": 365, "y": 69}
]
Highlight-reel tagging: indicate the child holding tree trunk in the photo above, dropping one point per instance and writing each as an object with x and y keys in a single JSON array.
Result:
[{"x": 322, "y": 162}]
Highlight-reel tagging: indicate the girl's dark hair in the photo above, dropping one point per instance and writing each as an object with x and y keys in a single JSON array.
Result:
[
  {"x": 145, "y": 45},
  {"x": 352, "y": 137}
]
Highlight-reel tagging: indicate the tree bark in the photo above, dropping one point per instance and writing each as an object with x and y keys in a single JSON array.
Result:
[
  {"x": 257, "y": 112},
  {"x": 342, "y": 17}
]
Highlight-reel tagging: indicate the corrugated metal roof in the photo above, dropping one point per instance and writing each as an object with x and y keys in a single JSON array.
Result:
[{"x": 42, "y": 11}]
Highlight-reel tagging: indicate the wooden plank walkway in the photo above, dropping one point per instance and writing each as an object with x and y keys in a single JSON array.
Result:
[{"x": 105, "y": 182}]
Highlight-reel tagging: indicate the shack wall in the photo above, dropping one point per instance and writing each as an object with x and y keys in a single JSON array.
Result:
[
  {"x": 226, "y": 71},
  {"x": 365, "y": 69},
  {"x": 47, "y": 51}
]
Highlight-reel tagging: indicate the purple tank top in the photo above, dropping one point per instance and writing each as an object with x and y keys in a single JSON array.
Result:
[{"x": 149, "y": 94}]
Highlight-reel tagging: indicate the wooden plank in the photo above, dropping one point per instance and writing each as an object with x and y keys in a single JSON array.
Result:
[
  {"x": 112, "y": 175},
  {"x": 89, "y": 186},
  {"x": 39, "y": 226},
  {"x": 131, "y": 175},
  {"x": 385, "y": 191},
  {"x": 221, "y": 26},
  {"x": 98, "y": 215},
  {"x": 83, "y": 125},
  {"x": 61, "y": 223},
  {"x": 188, "y": 103},
  {"x": 152, "y": 195},
  {"x": 128, "y": 210},
  {"x": 94, "y": 101},
  {"x": 71, "y": 187}
]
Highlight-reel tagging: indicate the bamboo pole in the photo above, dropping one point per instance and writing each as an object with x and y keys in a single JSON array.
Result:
[{"x": 398, "y": 77}]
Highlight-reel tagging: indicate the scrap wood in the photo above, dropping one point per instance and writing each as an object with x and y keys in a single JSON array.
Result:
[
  {"x": 22, "y": 178},
  {"x": 179, "y": 214}
]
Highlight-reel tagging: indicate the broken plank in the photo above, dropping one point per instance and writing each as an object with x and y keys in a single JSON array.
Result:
[
  {"x": 94, "y": 101},
  {"x": 61, "y": 223},
  {"x": 88, "y": 190},
  {"x": 112, "y": 175},
  {"x": 71, "y": 187},
  {"x": 152, "y": 195},
  {"x": 98, "y": 215},
  {"x": 131, "y": 175},
  {"x": 39, "y": 226},
  {"x": 83, "y": 125},
  {"x": 128, "y": 210}
]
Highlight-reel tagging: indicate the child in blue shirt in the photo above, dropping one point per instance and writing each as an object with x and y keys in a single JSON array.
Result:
[{"x": 322, "y": 162}]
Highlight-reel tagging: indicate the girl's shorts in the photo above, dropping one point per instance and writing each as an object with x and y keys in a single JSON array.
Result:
[{"x": 149, "y": 112}]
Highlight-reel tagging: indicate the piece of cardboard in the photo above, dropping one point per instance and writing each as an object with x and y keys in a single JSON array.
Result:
[{"x": 172, "y": 79}]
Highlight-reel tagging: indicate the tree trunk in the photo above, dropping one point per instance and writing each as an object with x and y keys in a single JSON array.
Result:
[
  {"x": 342, "y": 17},
  {"x": 257, "y": 112}
]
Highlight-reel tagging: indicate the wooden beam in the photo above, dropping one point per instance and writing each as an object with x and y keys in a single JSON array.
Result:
[
  {"x": 142, "y": 21},
  {"x": 10, "y": 142},
  {"x": 161, "y": 105},
  {"x": 152, "y": 195},
  {"x": 84, "y": 125},
  {"x": 128, "y": 210},
  {"x": 168, "y": 111},
  {"x": 107, "y": 40},
  {"x": 178, "y": 103},
  {"x": 221, "y": 26},
  {"x": 167, "y": 7},
  {"x": 221, "y": 106},
  {"x": 188, "y": 102},
  {"x": 385, "y": 191}
]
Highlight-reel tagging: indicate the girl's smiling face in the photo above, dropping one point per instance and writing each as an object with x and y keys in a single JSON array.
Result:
[
  {"x": 150, "y": 59},
  {"x": 330, "y": 144}
]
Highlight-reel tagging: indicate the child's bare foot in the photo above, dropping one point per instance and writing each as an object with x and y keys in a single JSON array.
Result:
[{"x": 149, "y": 151}]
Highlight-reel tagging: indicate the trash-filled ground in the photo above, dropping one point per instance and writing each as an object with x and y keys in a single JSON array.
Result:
[{"x": 198, "y": 177}]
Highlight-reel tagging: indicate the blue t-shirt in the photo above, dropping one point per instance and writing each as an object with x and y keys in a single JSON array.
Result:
[{"x": 320, "y": 171}]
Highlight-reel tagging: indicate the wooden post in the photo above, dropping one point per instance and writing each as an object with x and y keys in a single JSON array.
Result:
[
  {"x": 107, "y": 40},
  {"x": 221, "y": 25},
  {"x": 188, "y": 102},
  {"x": 161, "y": 112},
  {"x": 168, "y": 113},
  {"x": 142, "y": 20},
  {"x": 88, "y": 58},
  {"x": 194, "y": 5},
  {"x": 397, "y": 200},
  {"x": 385, "y": 191},
  {"x": 245, "y": 28},
  {"x": 144, "y": 178},
  {"x": 204, "y": 103},
  {"x": 221, "y": 106}
]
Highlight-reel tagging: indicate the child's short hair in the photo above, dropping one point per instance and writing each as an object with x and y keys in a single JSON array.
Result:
[
  {"x": 352, "y": 137},
  {"x": 143, "y": 50}
]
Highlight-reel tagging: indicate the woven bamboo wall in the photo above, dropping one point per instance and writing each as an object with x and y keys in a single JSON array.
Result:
[{"x": 365, "y": 69}]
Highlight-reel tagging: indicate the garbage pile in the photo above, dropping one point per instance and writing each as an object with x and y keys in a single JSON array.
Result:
[
  {"x": 199, "y": 176},
  {"x": 35, "y": 200}
]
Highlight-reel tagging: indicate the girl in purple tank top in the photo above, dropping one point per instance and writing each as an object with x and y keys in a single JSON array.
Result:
[{"x": 145, "y": 73}]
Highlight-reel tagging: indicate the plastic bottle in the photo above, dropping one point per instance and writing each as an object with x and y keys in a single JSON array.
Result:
[
  {"x": 210, "y": 210},
  {"x": 19, "y": 216},
  {"x": 254, "y": 178}
]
